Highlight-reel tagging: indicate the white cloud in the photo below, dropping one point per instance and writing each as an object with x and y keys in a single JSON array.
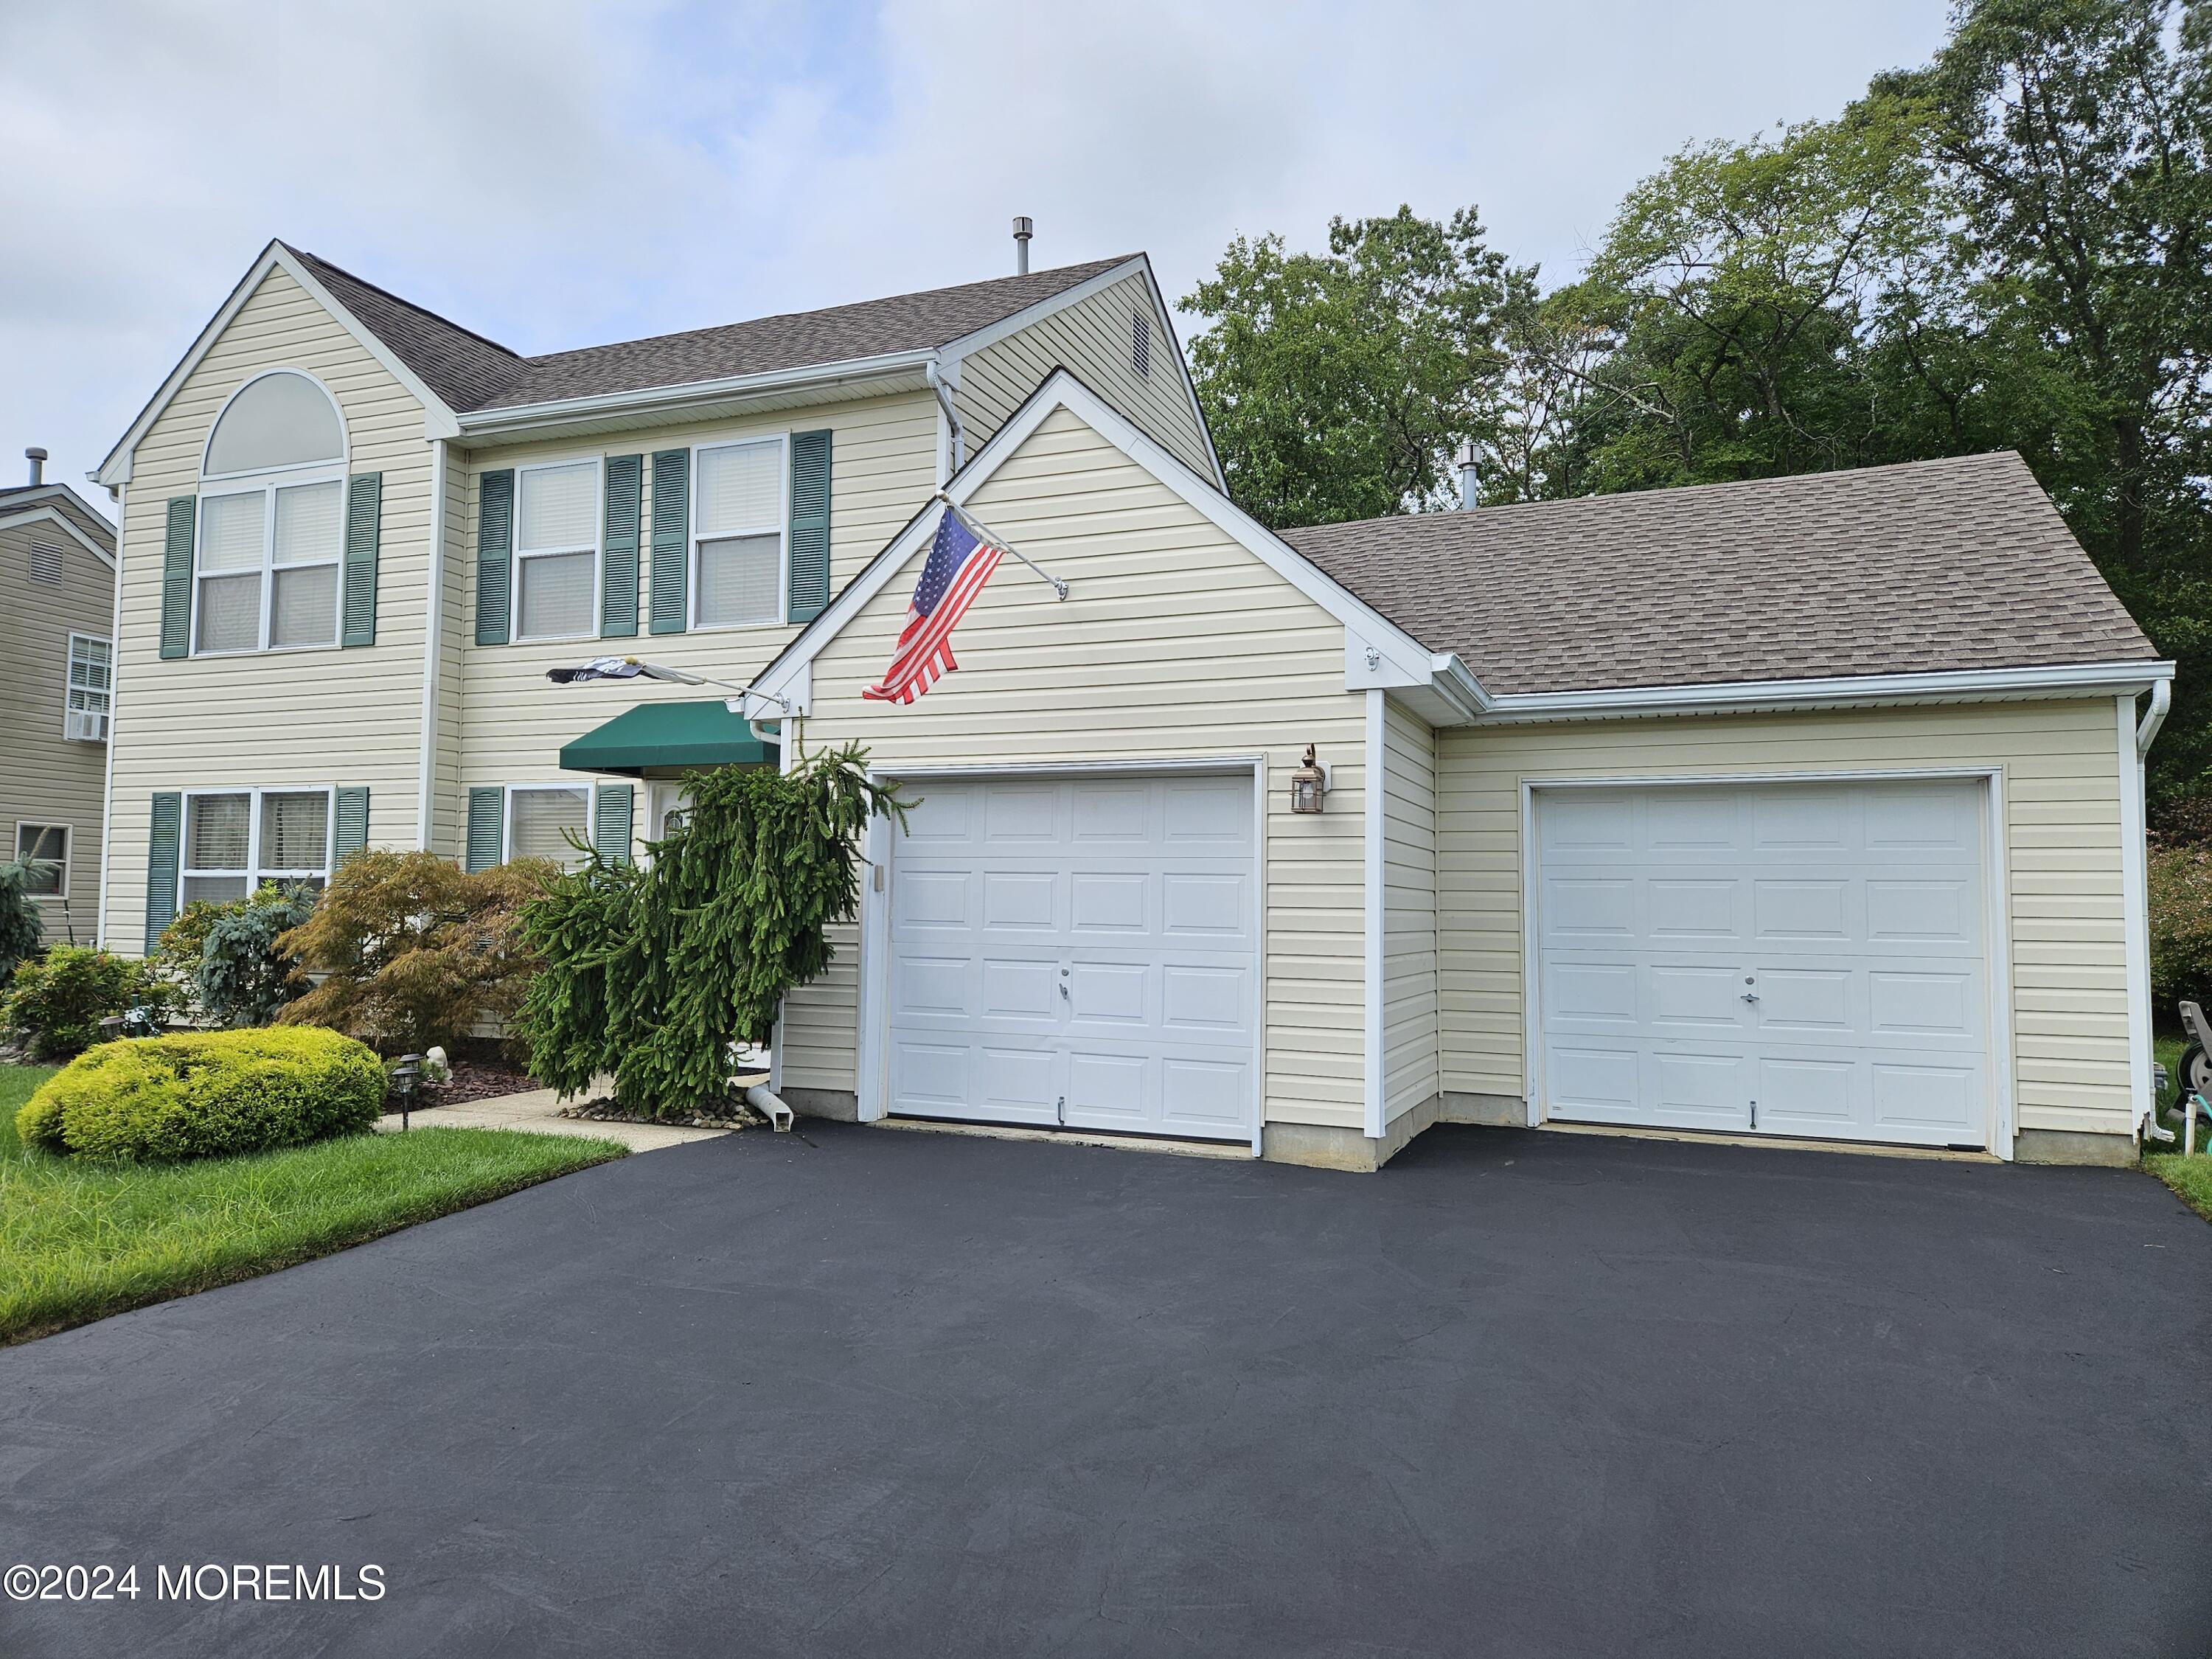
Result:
[{"x": 556, "y": 172}]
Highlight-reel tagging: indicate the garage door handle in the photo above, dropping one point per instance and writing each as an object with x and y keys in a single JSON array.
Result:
[
  {"x": 1751, "y": 996},
  {"x": 1063, "y": 990}
]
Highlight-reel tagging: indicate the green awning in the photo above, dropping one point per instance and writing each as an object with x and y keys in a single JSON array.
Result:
[{"x": 667, "y": 736}]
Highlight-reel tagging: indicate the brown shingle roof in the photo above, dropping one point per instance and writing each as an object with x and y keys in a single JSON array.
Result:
[
  {"x": 1951, "y": 564},
  {"x": 471, "y": 373}
]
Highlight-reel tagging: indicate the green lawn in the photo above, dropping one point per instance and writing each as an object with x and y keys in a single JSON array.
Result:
[
  {"x": 79, "y": 1242},
  {"x": 2191, "y": 1178}
]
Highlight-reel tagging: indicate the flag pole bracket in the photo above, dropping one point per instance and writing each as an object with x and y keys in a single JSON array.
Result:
[{"x": 987, "y": 533}]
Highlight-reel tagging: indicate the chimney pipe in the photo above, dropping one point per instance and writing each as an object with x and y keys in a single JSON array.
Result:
[
  {"x": 1024, "y": 229},
  {"x": 1470, "y": 464},
  {"x": 37, "y": 456}
]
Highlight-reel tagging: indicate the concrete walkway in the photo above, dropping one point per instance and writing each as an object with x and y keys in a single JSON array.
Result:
[{"x": 538, "y": 1112}]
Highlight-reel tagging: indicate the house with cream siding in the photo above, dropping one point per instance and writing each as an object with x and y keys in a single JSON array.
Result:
[
  {"x": 1806, "y": 810},
  {"x": 56, "y": 631}
]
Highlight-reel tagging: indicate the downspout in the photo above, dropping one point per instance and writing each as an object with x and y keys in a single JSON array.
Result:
[
  {"x": 122, "y": 494},
  {"x": 433, "y": 646},
  {"x": 2162, "y": 701},
  {"x": 944, "y": 402}
]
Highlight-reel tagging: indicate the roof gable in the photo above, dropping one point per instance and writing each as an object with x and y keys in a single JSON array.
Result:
[{"x": 1377, "y": 652}]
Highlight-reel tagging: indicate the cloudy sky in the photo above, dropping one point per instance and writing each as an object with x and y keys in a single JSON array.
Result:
[{"x": 559, "y": 173}]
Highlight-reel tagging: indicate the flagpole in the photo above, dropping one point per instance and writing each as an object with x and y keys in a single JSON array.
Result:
[{"x": 993, "y": 537}]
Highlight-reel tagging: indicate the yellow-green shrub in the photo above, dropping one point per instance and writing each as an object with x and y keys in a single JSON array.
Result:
[{"x": 205, "y": 1094}]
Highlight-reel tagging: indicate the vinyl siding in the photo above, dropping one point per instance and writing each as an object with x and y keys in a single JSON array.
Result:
[
  {"x": 1409, "y": 915},
  {"x": 508, "y": 724},
  {"x": 1090, "y": 340},
  {"x": 328, "y": 715},
  {"x": 2062, "y": 831},
  {"x": 1175, "y": 643},
  {"x": 44, "y": 777}
]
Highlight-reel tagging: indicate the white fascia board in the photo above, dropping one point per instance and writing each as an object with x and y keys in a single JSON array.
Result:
[
  {"x": 521, "y": 419},
  {"x": 1752, "y": 696},
  {"x": 69, "y": 526},
  {"x": 438, "y": 421},
  {"x": 1061, "y": 389}
]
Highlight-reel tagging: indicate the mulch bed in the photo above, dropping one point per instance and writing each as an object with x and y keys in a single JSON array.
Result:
[
  {"x": 732, "y": 1114},
  {"x": 472, "y": 1080}
]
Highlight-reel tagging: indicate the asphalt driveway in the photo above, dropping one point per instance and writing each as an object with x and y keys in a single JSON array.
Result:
[{"x": 880, "y": 1394}]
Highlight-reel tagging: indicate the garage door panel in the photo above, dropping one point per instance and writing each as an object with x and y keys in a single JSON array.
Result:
[
  {"x": 1944, "y": 1099},
  {"x": 1078, "y": 952},
  {"x": 1018, "y": 900},
  {"x": 1854, "y": 914}
]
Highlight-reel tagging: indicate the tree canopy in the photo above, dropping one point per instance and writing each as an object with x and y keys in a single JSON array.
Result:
[{"x": 2010, "y": 247}]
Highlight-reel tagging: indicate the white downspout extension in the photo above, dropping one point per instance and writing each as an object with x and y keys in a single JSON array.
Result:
[
  {"x": 2162, "y": 701},
  {"x": 114, "y": 707},
  {"x": 433, "y": 646},
  {"x": 952, "y": 417}
]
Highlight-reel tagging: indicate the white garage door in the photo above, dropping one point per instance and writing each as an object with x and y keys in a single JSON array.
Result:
[
  {"x": 1784, "y": 959},
  {"x": 1077, "y": 952}
]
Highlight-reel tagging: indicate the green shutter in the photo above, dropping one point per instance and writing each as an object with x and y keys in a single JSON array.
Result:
[
  {"x": 161, "y": 865},
  {"x": 364, "y": 511},
  {"x": 618, "y": 566},
  {"x": 610, "y": 823},
  {"x": 487, "y": 831},
  {"x": 810, "y": 524},
  {"x": 494, "y": 554},
  {"x": 672, "y": 527},
  {"x": 352, "y": 835},
  {"x": 177, "y": 578}
]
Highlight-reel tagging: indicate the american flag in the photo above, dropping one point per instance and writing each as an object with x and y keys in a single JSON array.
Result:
[{"x": 958, "y": 567}]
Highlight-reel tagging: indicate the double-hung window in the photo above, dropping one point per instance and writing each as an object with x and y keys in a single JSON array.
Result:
[
  {"x": 556, "y": 551},
  {"x": 91, "y": 683},
  {"x": 44, "y": 847},
  {"x": 268, "y": 567},
  {"x": 738, "y": 527},
  {"x": 236, "y": 839},
  {"x": 540, "y": 818}
]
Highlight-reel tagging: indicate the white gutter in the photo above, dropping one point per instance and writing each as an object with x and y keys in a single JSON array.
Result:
[
  {"x": 1750, "y": 696},
  {"x": 433, "y": 636},
  {"x": 2161, "y": 700},
  {"x": 524, "y": 417}
]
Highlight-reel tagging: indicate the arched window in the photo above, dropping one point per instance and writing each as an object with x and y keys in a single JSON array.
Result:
[
  {"x": 274, "y": 422},
  {"x": 272, "y": 520}
]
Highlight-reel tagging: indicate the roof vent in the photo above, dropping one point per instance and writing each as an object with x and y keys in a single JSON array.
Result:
[
  {"x": 1470, "y": 464},
  {"x": 1024, "y": 229},
  {"x": 37, "y": 456}
]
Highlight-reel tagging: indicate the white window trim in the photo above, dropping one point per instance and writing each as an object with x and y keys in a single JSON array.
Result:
[
  {"x": 255, "y": 875},
  {"x": 780, "y": 530},
  {"x": 60, "y": 895},
  {"x": 597, "y": 548},
  {"x": 345, "y": 438},
  {"x": 507, "y": 809},
  {"x": 69, "y": 686},
  {"x": 267, "y": 483}
]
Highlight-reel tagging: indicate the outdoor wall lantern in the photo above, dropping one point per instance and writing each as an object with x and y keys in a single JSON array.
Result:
[{"x": 1309, "y": 784}]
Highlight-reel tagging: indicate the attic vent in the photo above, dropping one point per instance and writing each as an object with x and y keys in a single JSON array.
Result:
[
  {"x": 1140, "y": 344},
  {"x": 45, "y": 561}
]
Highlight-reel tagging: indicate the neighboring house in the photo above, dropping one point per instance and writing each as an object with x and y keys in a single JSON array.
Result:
[
  {"x": 1809, "y": 808},
  {"x": 56, "y": 624},
  {"x": 355, "y": 536}
]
